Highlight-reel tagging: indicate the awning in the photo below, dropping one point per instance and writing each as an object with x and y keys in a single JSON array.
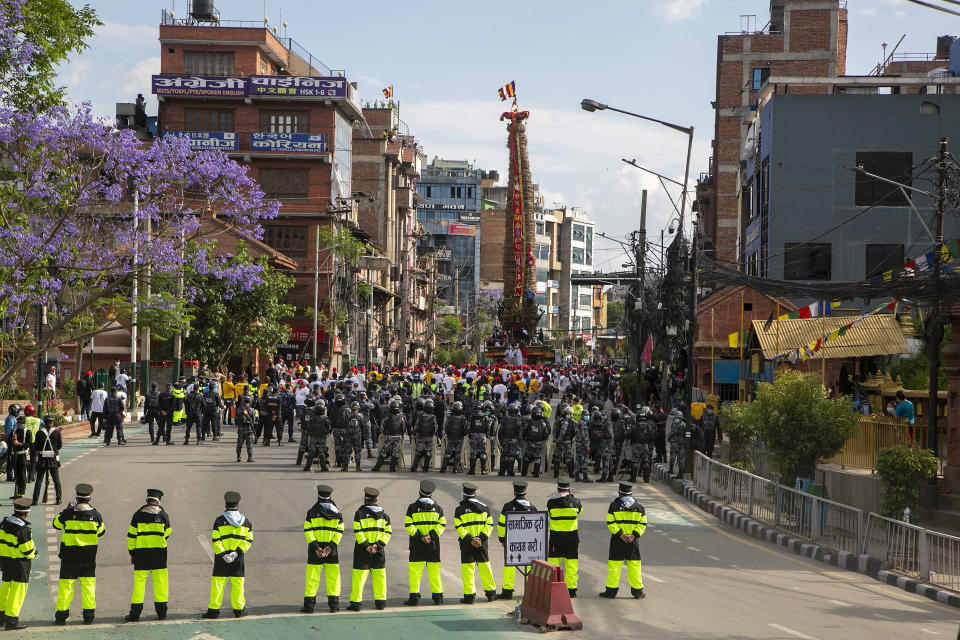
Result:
[{"x": 877, "y": 335}]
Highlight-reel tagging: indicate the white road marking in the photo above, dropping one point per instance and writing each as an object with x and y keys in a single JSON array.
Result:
[
  {"x": 693, "y": 549},
  {"x": 797, "y": 634},
  {"x": 714, "y": 558},
  {"x": 840, "y": 603},
  {"x": 733, "y": 566},
  {"x": 675, "y": 540},
  {"x": 206, "y": 545},
  {"x": 647, "y": 576},
  {"x": 881, "y": 616},
  {"x": 933, "y": 633}
]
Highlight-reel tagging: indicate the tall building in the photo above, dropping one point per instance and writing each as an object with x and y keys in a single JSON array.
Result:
[
  {"x": 272, "y": 106},
  {"x": 575, "y": 255},
  {"x": 449, "y": 211},
  {"x": 803, "y": 38}
]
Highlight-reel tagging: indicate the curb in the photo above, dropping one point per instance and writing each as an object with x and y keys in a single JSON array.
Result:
[{"x": 861, "y": 563}]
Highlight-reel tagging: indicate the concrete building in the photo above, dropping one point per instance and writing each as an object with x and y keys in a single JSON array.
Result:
[
  {"x": 803, "y": 38},
  {"x": 272, "y": 106},
  {"x": 575, "y": 255},
  {"x": 797, "y": 169},
  {"x": 449, "y": 211}
]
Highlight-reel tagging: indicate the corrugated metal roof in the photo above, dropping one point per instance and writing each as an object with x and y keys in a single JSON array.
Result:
[{"x": 873, "y": 336}]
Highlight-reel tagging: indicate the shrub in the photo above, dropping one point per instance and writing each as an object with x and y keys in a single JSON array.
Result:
[
  {"x": 903, "y": 471},
  {"x": 741, "y": 429}
]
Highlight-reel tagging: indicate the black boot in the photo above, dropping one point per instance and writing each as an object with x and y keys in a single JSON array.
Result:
[
  {"x": 353, "y": 606},
  {"x": 586, "y": 478},
  {"x": 333, "y": 603},
  {"x": 358, "y": 465},
  {"x": 493, "y": 461},
  {"x": 416, "y": 461},
  {"x": 393, "y": 465},
  {"x": 491, "y": 595},
  {"x": 239, "y": 613},
  {"x": 473, "y": 468},
  {"x": 524, "y": 467},
  {"x": 161, "y": 609},
  {"x": 60, "y": 617},
  {"x": 88, "y": 616},
  {"x": 638, "y": 593},
  {"x": 134, "y": 615},
  {"x": 483, "y": 467},
  {"x": 570, "y": 473},
  {"x": 437, "y": 598},
  {"x": 299, "y": 458},
  {"x": 506, "y": 594},
  {"x": 609, "y": 593},
  {"x": 369, "y": 453},
  {"x": 380, "y": 604},
  {"x": 426, "y": 465},
  {"x": 573, "y": 593},
  {"x": 308, "y": 605},
  {"x": 13, "y": 624},
  {"x": 211, "y": 614},
  {"x": 536, "y": 469},
  {"x": 413, "y": 600},
  {"x": 378, "y": 463},
  {"x": 468, "y": 599},
  {"x": 443, "y": 466}
]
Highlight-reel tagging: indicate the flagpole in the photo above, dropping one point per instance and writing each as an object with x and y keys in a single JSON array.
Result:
[
  {"x": 823, "y": 346},
  {"x": 740, "y": 343},
  {"x": 713, "y": 368}
]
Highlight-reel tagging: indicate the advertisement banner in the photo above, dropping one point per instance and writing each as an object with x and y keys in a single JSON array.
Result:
[
  {"x": 199, "y": 86},
  {"x": 455, "y": 229},
  {"x": 218, "y": 140},
  {"x": 289, "y": 142},
  {"x": 235, "y": 87}
]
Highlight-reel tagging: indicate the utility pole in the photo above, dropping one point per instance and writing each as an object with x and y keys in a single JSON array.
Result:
[
  {"x": 935, "y": 320},
  {"x": 405, "y": 309},
  {"x": 692, "y": 320},
  {"x": 178, "y": 336},
  {"x": 132, "y": 390},
  {"x": 640, "y": 266},
  {"x": 316, "y": 290},
  {"x": 145, "y": 334}
]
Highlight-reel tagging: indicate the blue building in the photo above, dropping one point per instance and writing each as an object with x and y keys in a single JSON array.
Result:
[{"x": 450, "y": 212}]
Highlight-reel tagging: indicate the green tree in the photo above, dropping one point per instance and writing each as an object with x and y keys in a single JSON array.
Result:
[
  {"x": 615, "y": 314},
  {"x": 903, "y": 471},
  {"x": 741, "y": 429},
  {"x": 449, "y": 330},
  {"x": 797, "y": 419},
  {"x": 229, "y": 322},
  {"x": 56, "y": 29}
]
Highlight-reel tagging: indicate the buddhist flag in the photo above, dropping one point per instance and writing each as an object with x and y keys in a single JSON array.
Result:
[
  {"x": 508, "y": 91},
  {"x": 736, "y": 339},
  {"x": 388, "y": 92}
]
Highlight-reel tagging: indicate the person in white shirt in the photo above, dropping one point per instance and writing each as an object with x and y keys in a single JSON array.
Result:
[
  {"x": 449, "y": 383},
  {"x": 122, "y": 379},
  {"x": 50, "y": 386},
  {"x": 500, "y": 390},
  {"x": 96, "y": 411}
]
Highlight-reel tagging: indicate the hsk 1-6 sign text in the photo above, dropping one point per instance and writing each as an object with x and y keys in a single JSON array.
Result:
[{"x": 525, "y": 538}]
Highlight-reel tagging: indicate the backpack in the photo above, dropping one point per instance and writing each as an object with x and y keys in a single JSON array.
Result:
[
  {"x": 209, "y": 403},
  {"x": 112, "y": 407}
]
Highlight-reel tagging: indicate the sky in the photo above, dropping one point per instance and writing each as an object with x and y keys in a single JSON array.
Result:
[{"x": 446, "y": 61}]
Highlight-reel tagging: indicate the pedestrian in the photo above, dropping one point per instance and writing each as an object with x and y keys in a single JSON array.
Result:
[
  {"x": 15, "y": 563},
  {"x": 97, "y": 399},
  {"x": 245, "y": 420},
  {"x": 710, "y": 428},
  {"x": 626, "y": 520},
  {"x": 231, "y": 537},
  {"x": 113, "y": 414},
  {"x": 425, "y": 523},
  {"x": 147, "y": 545},
  {"x": 229, "y": 399},
  {"x": 474, "y": 525},
  {"x": 84, "y": 393},
  {"x": 518, "y": 504},
  {"x": 323, "y": 529},
  {"x": 678, "y": 444},
  {"x": 371, "y": 531},
  {"x": 82, "y": 528},
  {"x": 9, "y": 426},
  {"x": 47, "y": 444},
  {"x": 564, "y": 544},
  {"x": 19, "y": 443}
]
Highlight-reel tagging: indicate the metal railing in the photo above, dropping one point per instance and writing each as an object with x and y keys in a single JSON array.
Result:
[
  {"x": 821, "y": 521},
  {"x": 878, "y": 432},
  {"x": 928, "y": 556}
]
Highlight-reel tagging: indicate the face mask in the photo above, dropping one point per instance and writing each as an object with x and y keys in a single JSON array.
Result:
[
  {"x": 709, "y": 412},
  {"x": 890, "y": 410}
]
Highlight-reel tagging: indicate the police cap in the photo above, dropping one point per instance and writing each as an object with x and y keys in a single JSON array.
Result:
[
  {"x": 154, "y": 493},
  {"x": 84, "y": 490},
  {"x": 626, "y": 488},
  {"x": 22, "y": 505},
  {"x": 563, "y": 482},
  {"x": 427, "y": 487},
  {"x": 469, "y": 489},
  {"x": 371, "y": 492},
  {"x": 519, "y": 487},
  {"x": 324, "y": 490},
  {"x": 231, "y": 498}
]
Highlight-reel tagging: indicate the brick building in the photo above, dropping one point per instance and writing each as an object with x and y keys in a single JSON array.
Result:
[
  {"x": 804, "y": 38},
  {"x": 267, "y": 103}
]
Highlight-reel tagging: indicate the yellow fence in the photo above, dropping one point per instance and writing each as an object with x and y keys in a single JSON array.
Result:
[{"x": 875, "y": 433}]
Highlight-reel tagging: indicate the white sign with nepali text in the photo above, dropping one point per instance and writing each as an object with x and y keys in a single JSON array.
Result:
[{"x": 525, "y": 537}]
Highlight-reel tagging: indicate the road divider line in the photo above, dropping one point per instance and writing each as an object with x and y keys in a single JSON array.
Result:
[
  {"x": 693, "y": 549},
  {"x": 647, "y": 576},
  {"x": 840, "y": 603},
  {"x": 675, "y": 540},
  {"x": 792, "y": 632},
  {"x": 207, "y": 546},
  {"x": 714, "y": 558}
]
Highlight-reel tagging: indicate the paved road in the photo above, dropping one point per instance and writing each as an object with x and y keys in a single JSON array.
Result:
[{"x": 703, "y": 579}]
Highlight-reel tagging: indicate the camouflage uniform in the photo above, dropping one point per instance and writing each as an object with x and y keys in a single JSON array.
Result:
[
  {"x": 582, "y": 442},
  {"x": 510, "y": 432},
  {"x": 353, "y": 440},
  {"x": 535, "y": 435},
  {"x": 564, "y": 436},
  {"x": 456, "y": 429},
  {"x": 678, "y": 445},
  {"x": 393, "y": 428},
  {"x": 478, "y": 443},
  {"x": 318, "y": 428},
  {"x": 425, "y": 430}
]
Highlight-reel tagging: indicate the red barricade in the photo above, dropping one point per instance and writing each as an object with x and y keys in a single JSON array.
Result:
[{"x": 546, "y": 600}]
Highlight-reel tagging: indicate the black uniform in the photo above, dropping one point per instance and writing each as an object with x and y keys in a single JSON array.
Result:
[
  {"x": 245, "y": 420},
  {"x": 194, "y": 408},
  {"x": 47, "y": 445},
  {"x": 165, "y": 408},
  {"x": 212, "y": 406},
  {"x": 270, "y": 419}
]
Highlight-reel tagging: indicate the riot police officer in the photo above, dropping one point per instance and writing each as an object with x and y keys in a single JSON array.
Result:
[
  {"x": 535, "y": 434},
  {"x": 509, "y": 434},
  {"x": 393, "y": 430},
  {"x": 425, "y": 431},
  {"x": 455, "y": 431}
]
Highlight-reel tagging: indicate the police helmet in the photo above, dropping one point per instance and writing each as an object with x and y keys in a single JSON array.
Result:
[
  {"x": 418, "y": 404},
  {"x": 339, "y": 399},
  {"x": 513, "y": 409},
  {"x": 615, "y": 414},
  {"x": 457, "y": 408},
  {"x": 320, "y": 409},
  {"x": 567, "y": 412},
  {"x": 428, "y": 405},
  {"x": 15, "y": 409},
  {"x": 395, "y": 406},
  {"x": 310, "y": 400},
  {"x": 355, "y": 405},
  {"x": 537, "y": 411},
  {"x": 596, "y": 417},
  {"x": 487, "y": 405},
  {"x": 526, "y": 409}
]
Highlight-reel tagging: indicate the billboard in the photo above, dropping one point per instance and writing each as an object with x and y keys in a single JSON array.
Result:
[
  {"x": 456, "y": 229},
  {"x": 237, "y": 87}
]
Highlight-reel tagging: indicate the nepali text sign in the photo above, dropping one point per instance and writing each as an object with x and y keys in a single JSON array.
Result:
[
  {"x": 236, "y": 87},
  {"x": 455, "y": 229},
  {"x": 525, "y": 538},
  {"x": 218, "y": 140},
  {"x": 290, "y": 142}
]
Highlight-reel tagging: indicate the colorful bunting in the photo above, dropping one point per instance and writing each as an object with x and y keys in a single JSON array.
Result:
[
  {"x": 807, "y": 351},
  {"x": 737, "y": 339}
]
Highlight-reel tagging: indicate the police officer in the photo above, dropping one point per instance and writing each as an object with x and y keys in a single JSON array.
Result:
[
  {"x": 509, "y": 435},
  {"x": 371, "y": 531},
  {"x": 270, "y": 417},
  {"x": 564, "y": 544},
  {"x": 165, "y": 409},
  {"x": 232, "y": 536},
  {"x": 641, "y": 436},
  {"x": 47, "y": 443},
  {"x": 338, "y": 424},
  {"x": 474, "y": 525},
  {"x": 618, "y": 434},
  {"x": 179, "y": 395},
  {"x": 626, "y": 521},
  {"x": 660, "y": 434},
  {"x": 147, "y": 544},
  {"x": 606, "y": 443},
  {"x": 564, "y": 437},
  {"x": 288, "y": 409},
  {"x": 371, "y": 422},
  {"x": 678, "y": 444},
  {"x": 317, "y": 431},
  {"x": 425, "y": 430},
  {"x": 425, "y": 523},
  {"x": 519, "y": 503},
  {"x": 353, "y": 437},
  {"x": 479, "y": 434},
  {"x": 151, "y": 410},
  {"x": 393, "y": 429},
  {"x": 323, "y": 529},
  {"x": 246, "y": 417},
  {"x": 193, "y": 406},
  {"x": 306, "y": 415},
  {"x": 19, "y": 443},
  {"x": 212, "y": 406},
  {"x": 535, "y": 434},
  {"x": 455, "y": 430},
  {"x": 16, "y": 553},
  {"x": 709, "y": 424},
  {"x": 82, "y": 528}
]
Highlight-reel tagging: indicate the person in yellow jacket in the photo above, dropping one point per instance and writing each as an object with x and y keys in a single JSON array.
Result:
[
  {"x": 371, "y": 531},
  {"x": 323, "y": 529},
  {"x": 82, "y": 528},
  {"x": 626, "y": 520},
  {"x": 564, "y": 545},
  {"x": 231, "y": 537},
  {"x": 17, "y": 552},
  {"x": 474, "y": 527},
  {"x": 425, "y": 523},
  {"x": 147, "y": 544},
  {"x": 179, "y": 406}
]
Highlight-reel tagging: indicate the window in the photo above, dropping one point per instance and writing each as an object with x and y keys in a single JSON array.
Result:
[
  {"x": 284, "y": 121},
  {"x": 584, "y": 300},
  {"x": 883, "y": 257},
  {"x": 893, "y": 165},
  {"x": 456, "y": 192},
  {"x": 577, "y": 256},
  {"x": 289, "y": 240},
  {"x": 807, "y": 261},
  {"x": 297, "y": 296},
  {"x": 540, "y": 228},
  {"x": 759, "y": 76},
  {"x": 284, "y": 183},
  {"x": 543, "y": 251},
  {"x": 748, "y": 306},
  {"x": 470, "y": 192},
  {"x": 429, "y": 193},
  {"x": 578, "y": 232},
  {"x": 208, "y": 63},
  {"x": 207, "y": 120}
]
